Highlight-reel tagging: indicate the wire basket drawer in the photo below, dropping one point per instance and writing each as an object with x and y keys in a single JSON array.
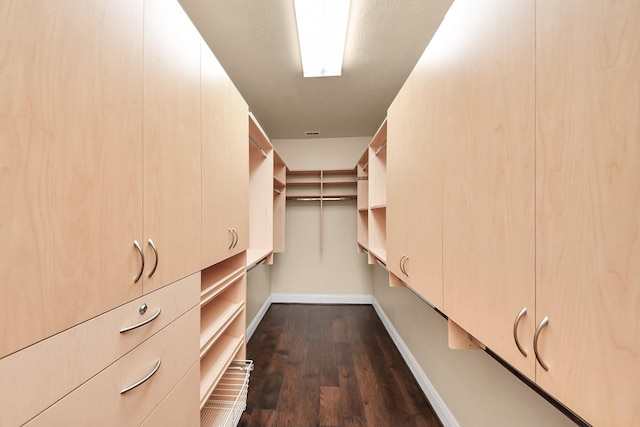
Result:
[{"x": 229, "y": 399}]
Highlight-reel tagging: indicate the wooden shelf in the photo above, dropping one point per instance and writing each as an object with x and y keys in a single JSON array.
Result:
[
  {"x": 215, "y": 362},
  {"x": 215, "y": 317},
  {"x": 254, "y": 256},
  {"x": 219, "y": 277}
]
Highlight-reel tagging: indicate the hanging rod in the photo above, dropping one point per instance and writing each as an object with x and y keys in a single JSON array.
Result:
[
  {"x": 381, "y": 147},
  {"x": 275, "y": 190},
  {"x": 317, "y": 199},
  {"x": 264, "y": 153},
  {"x": 362, "y": 178},
  {"x": 366, "y": 165}
]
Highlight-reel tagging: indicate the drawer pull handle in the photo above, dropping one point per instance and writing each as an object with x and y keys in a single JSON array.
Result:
[
  {"x": 144, "y": 322},
  {"x": 542, "y": 324},
  {"x": 137, "y": 245},
  {"x": 515, "y": 330},
  {"x": 142, "y": 380},
  {"x": 155, "y": 251}
]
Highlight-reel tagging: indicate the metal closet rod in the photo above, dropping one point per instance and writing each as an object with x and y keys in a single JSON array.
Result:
[
  {"x": 275, "y": 190},
  {"x": 264, "y": 153},
  {"x": 381, "y": 147},
  {"x": 317, "y": 199}
]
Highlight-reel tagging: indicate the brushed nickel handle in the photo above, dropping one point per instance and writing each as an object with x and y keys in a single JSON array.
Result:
[
  {"x": 542, "y": 324},
  {"x": 515, "y": 330},
  {"x": 404, "y": 266},
  {"x": 142, "y": 323},
  {"x": 400, "y": 264},
  {"x": 137, "y": 245},
  {"x": 233, "y": 239},
  {"x": 142, "y": 380},
  {"x": 155, "y": 251},
  {"x": 235, "y": 233}
]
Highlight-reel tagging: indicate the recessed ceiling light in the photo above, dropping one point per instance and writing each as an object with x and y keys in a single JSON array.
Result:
[{"x": 322, "y": 33}]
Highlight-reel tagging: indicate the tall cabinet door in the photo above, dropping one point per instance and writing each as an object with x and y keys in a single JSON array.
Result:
[
  {"x": 489, "y": 174},
  {"x": 588, "y": 206},
  {"x": 172, "y": 145},
  {"x": 70, "y": 156},
  {"x": 225, "y": 164},
  {"x": 398, "y": 129}
]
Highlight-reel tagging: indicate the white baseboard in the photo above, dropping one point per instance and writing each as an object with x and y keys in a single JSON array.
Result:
[
  {"x": 256, "y": 320},
  {"x": 441, "y": 409},
  {"x": 321, "y": 299}
]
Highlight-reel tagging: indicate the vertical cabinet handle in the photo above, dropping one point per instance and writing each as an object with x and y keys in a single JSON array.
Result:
[
  {"x": 137, "y": 245},
  {"x": 404, "y": 266},
  {"x": 155, "y": 251},
  {"x": 400, "y": 263},
  {"x": 233, "y": 239},
  {"x": 235, "y": 234},
  {"x": 515, "y": 330},
  {"x": 142, "y": 380},
  {"x": 541, "y": 326}
]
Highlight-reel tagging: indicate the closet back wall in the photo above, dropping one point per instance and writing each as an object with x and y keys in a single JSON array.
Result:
[{"x": 305, "y": 268}]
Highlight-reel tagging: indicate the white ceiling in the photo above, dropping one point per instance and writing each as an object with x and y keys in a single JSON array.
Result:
[{"x": 256, "y": 43}]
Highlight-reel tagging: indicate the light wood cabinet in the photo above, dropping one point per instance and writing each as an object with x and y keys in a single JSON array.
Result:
[
  {"x": 172, "y": 144},
  {"x": 279, "y": 202},
  {"x": 488, "y": 187},
  {"x": 52, "y": 366},
  {"x": 225, "y": 165},
  {"x": 101, "y": 401},
  {"x": 588, "y": 206},
  {"x": 414, "y": 182},
  {"x": 71, "y": 79}
]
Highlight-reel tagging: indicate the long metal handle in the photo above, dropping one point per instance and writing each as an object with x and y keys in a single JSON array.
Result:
[
  {"x": 515, "y": 330},
  {"x": 142, "y": 380},
  {"x": 400, "y": 264},
  {"x": 404, "y": 266},
  {"x": 142, "y": 323},
  {"x": 542, "y": 324},
  {"x": 235, "y": 233},
  {"x": 155, "y": 251},
  {"x": 137, "y": 245},
  {"x": 233, "y": 239}
]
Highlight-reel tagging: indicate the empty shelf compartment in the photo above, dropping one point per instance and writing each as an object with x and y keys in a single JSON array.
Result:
[{"x": 227, "y": 402}]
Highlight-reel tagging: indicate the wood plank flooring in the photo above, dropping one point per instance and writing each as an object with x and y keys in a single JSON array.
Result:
[{"x": 330, "y": 366}]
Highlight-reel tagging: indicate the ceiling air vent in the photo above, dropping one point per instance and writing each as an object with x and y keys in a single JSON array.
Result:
[{"x": 312, "y": 133}]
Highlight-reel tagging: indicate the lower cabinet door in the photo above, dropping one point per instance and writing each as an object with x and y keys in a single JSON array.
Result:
[{"x": 125, "y": 393}]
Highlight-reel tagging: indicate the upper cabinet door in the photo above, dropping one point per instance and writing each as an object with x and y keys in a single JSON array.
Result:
[
  {"x": 172, "y": 144},
  {"x": 488, "y": 211},
  {"x": 588, "y": 206},
  {"x": 414, "y": 166},
  {"x": 225, "y": 164},
  {"x": 70, "y": 156},
  {"x": 399, "y": 130}
]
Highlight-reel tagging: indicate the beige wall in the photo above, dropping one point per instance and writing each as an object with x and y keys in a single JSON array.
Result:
[
  {"x": 476, "y": 388},
  {"x": 258, "y": 290},
  {"x": 306, "y": 267}
]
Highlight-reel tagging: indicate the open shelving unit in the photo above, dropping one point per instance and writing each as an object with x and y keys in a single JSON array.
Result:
[
  {"x": 279, "y": 202},
  {"x": 371, "y": 176},
  {"x": 222, "y": 321},
  {"x": 261, "y": 195},
  {"x": 322, "y": 186}
]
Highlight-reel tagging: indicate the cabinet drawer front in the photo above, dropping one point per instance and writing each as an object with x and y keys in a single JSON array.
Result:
[
  {"x": 99, "y": 402},
  {"x": 180, "y": 407},
  {"x": 56, "y": 366}
]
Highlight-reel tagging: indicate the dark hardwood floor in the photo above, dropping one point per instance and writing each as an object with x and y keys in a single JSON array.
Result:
[{"x": 330, "y": 365}]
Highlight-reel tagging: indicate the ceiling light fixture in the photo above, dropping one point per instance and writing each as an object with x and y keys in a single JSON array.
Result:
[{"x": 322, "y": 33}]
